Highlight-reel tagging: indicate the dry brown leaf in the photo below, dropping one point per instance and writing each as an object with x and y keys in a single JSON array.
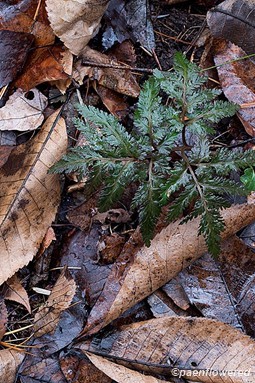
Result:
[
  {"x": 173, "y": 249},
  {"x": 237, "y": 81},
  {"x": 120, "y": 373},
  {"x": 9, "y": 362},
  {"x": 47, "y": 317},
  {"x": 29, "y": 196},
  {"x": 75, "y": 22},
  {"x": 47, "y": 240},
  {"x": 119, "y": 80},
  {"x": 17, "y": 293},
  {"x": 46, "y": 64},
  {"x": 23, "y": 111},
  {"x": 234, "y": 20},
  {"x": 197, "y": 349}
]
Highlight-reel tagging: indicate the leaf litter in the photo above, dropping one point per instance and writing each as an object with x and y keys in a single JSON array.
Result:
[{"x": 90, "y": 255}]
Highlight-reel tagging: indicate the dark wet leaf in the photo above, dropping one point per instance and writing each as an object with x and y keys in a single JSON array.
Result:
[
  {"x": 129, "y": 20},
  {"x": 234, "y": 20},
  {"x": 14, "y": 48}
]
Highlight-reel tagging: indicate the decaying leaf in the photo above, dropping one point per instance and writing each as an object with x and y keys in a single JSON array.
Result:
[
  {"x": 14, "y": 47},
  {"x": 239, "y": 272},
  {"x": 23, "y": 111},
  {"x": 46, "y": 64},
  {"x": 27, "y": 16},
  {"x": 9, "y": 362},
  {"x": 120, "y": 373},
  {"x": 237, "y": 81},
  {"x": 81, "y": 370},
  {"x": 29, "y": 196},
  {"x": 119, "y": 80},
  {"x": 75, "y": 22},
  {"x": 85, "y": 268},
  {"x": 173, "y": 249},
  {"x": 234, "y": 20},
  {"x": 129, "y": 20},
  {"x": 47, "y": 317},
  {"x": 197, "y": 349},
  {"x": 16, "y": 292},
  {"x": 204, "y": 284},
  {"x": 3, "y": 318},
  {"x": 5, "y": 151}
]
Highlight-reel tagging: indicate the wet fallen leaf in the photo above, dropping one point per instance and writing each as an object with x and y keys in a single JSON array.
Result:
[
  {"x": 173, "y": 249},
  {"x": 41, "y": 370},
  {"x": 129, "y": 21},
  {"x": 5, "y": 151},
  {"x": 29, "y": 196},
  {"x": 75, "y": 22},
  {"x": 23, "y": 111},
  {"x": 47, "y": 317},
  {"x": 234, "y": 20},
  {"x": 239, "y": 272},
  {"x": 9, "y": 362},
  {"x": 119, "y": 80},
  {"x": 160, "y": 306},
  {"x": 82, "y": 371},
  {"x": 46, "y": 64},
  {"x": 176, "y": 292},
  {"x": 205, "y": 286},
  {"x": 3, "y": 318},
  {"x": 26, "y": 16},
  {"x": 237, "y": 81},
  {"x": 186, "y": 348},
  {"x": 80, "y": 253},
  {"x": 120, "y": 373},
  {"x": 14, "y": 48},
  {"x": 16, "y": 292}
]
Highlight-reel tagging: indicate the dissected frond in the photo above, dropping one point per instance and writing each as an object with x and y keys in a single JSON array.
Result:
[{"x": 167, "y": 153}]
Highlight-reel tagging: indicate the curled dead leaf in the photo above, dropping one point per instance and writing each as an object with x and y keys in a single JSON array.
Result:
[
  {"x": 196, "y": 349},
  {"x": 173, "y": 249}
]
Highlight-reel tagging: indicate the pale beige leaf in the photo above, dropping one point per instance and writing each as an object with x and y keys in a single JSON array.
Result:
[
  {"x": 29, "y": 196},
  {"x": 120, "y": 373},
  {"x": 9, "y": 361},
  {"x": 75, "y": 22},
  {"x": 47, "y": 318},
  {"x": 197, "y": 349},
  {"x": 173, "y": 249},
  {"x": 17, "y": 293},
  {"x": 23, "y": 111}
]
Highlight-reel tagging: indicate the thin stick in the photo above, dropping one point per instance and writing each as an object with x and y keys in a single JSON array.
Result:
[{"x": 116, "y": 66}]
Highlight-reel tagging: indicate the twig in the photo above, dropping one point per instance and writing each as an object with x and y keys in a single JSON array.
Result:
[{"x": 115, "y": 66}]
